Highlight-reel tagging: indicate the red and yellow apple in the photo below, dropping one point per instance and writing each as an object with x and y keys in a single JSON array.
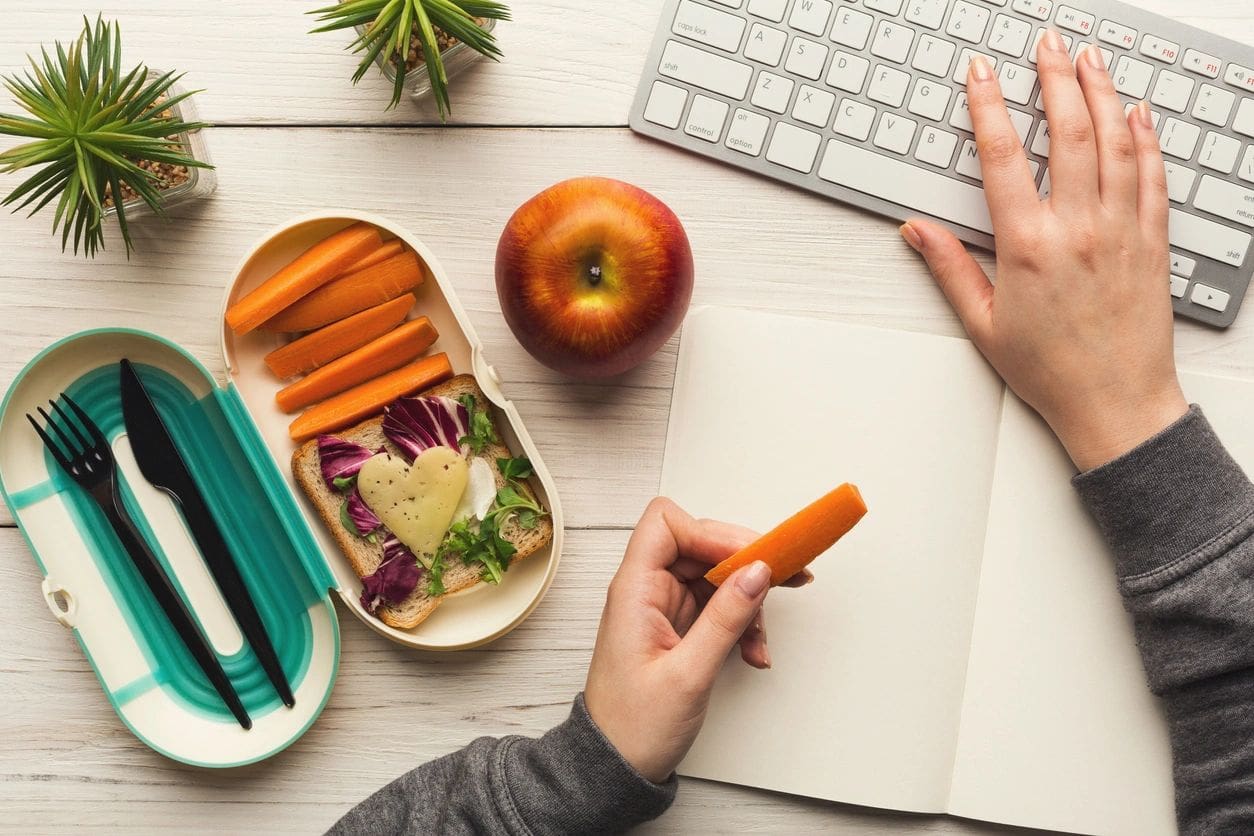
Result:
[{"x": 593, "y": 275}]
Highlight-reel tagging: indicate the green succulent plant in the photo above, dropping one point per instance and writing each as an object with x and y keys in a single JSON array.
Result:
[
  {"x": 90, "y": 125},
  {"x": 388, "y": 24}
]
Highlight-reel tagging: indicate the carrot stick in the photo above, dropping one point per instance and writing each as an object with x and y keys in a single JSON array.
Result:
[
  {"x": 790, "y": 546},
  {"x": 391, "y": 351},
  {"x": 389, "y": 249},
  {"x": 369, "y": 398},
  {"x": 310, "y": 270},
  {"x": 337, "y": 339},
  {"x": 351, "y": 293}
]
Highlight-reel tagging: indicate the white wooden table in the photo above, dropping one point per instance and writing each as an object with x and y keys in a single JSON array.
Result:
[{"x": 292, "y": 135}]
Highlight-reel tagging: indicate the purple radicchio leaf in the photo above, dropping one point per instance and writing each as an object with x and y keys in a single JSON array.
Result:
[
  {"x": 340, "y": 460},
  {"x": 396, "y": 577},
  {"x": 359, "y": 513},
  {"x": 418, "y": 424}
]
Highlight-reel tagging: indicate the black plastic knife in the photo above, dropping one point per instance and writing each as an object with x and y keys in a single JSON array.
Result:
[{"x": 163, "y": 466}]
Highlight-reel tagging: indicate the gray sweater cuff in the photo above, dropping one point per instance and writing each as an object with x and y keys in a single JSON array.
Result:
[
  {"x": 1164, "y": 506},
  {"x": 584, "y": 785}
]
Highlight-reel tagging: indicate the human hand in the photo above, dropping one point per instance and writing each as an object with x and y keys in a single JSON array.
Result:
[
  {"x": 1080, "y": 321},
  {"x": 665, "y": 633}
]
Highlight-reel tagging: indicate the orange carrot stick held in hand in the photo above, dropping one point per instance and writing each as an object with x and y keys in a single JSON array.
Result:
[{"x": 790, "y": 546}]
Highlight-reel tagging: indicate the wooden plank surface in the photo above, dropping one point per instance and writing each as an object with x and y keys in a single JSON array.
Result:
[{"x": 567, "y": 62}]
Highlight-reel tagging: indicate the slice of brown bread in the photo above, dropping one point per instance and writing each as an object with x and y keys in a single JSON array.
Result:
[{"x": 365, "y": 557}]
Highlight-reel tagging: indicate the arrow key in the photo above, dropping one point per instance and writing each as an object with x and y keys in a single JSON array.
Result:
[
  {"x": 1209, "y": 297},
  {"x": 1182, "y": 266}
]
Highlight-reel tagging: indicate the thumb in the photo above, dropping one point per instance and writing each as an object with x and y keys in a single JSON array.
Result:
[
  {"x": 728, "y": 613},
  {"x": 961, "y": 279}
]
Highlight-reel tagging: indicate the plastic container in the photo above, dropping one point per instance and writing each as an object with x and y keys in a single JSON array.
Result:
[{"x": 236, "y": 445}]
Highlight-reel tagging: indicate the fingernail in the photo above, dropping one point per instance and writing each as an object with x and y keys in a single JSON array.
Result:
[
  {"x": 979, "y": 69},
  {"x": 766, "y": 656},
  {"x": 1143, "y": 114},
  {"x": 1053, "y": 41},
  {"x": 912, "y": 236},
  {"x": 1093, "y": 55},
  {"x": 753, "y": 579}
]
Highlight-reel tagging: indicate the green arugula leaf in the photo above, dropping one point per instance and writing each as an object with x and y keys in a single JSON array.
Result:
[
  {"x": 344, "y": 483},
  {"x": 515, "y": 469},
  {"x": 482, "y": 433},
  {"x": 435, "y": 576},
  {"x": 528, "y": 519}
]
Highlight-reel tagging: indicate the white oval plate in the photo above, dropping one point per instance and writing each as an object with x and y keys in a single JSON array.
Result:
[{"x": 483, "y": 612}]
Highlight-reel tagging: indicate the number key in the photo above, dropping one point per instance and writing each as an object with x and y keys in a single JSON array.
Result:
[{"x": 968, "y": 22}]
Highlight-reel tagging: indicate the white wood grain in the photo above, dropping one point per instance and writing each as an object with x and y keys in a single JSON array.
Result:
[
  {"x": 68, "y": 763},
  {"x": 566, "y": 62}
]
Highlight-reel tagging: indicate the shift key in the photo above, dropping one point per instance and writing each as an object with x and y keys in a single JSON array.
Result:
[{"x": 709, "y": 72}]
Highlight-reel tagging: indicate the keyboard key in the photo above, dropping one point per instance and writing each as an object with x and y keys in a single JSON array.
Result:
[
  {"x": 964, "y": 64},
  {"x": 852, "y": 29},
  {"x": 969, "y": 161},
  {"x": 1179, "y": 182},
  {"x": 936, "y": 147},
  {"x": 854, "y": 120},
  {"x": 1017, "y": 83},
  {"x": 1132, "y": 77},
  {"x": 961, "y": 116},
  {"x": 968, "y": 22},
  {"x": 1182, "y": 265},
  {"x": 1246, "y": 171},
  {"x": 806, "y": 58},
  {"x": 906, "y": 184},
  {"x": 1010, "y": 36},
  {"x": 888, "y": 86},
  {"x": 848, "y": 72},
  {"x": 708, "y": 26},
  {"x": 1201, "y": 63},
  {"x": 1160, "y": 49},
  {"x": 813, "y": 106},
  {"x": 666, "y": 104},
  {"x": 1108, "y": 57},
  {"x": 772, "y": 10},
  {"x": 888, "y": 7},
  {"x": 1067, "y": 41},
  {"x": 1178, "y": 286},
  {"x": 1038, "y": 9},
  {"x": 705, "y": 70},
  {"x": 933, "y": 56},
  {"x": 1213, "y": 240},
  {"x": 772, "y": 92},
  {"x": 1226, "y": 200},
  {"x": 1172, "y": 91},
  {"x": 929, "y": 13},
  {"x": 747, "y": 131},
  {"x": 929, "y": 99},
  {"x": 1239, "y": 76},
  {"x": 765, "y": 45},
  {"x": 1040, "y": 142},
  {"x": 1179, "y": 139},
  {"x": 1022, "y": 123},
  {"x": 892, "y": 41},
  {"x": 810, "y": 16},
  {"x": 1074, "y": 19},
  {"x": 731, "y": 4},
  {"x": 793, "y": 147},
  {"x": 1209, "y": 297},
  {"x": 895, "y": 133},
  {"x": 1116, "y": 33},
  {"x": 1214, "y": 105},
  {"x": 706, "y": 118},
  {"x": 1220, "y": 153},
  {"x": 1244, "y": 123}
]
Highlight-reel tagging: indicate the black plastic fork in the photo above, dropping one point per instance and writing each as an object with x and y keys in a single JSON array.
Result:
[{"x": 85, "y": 455}]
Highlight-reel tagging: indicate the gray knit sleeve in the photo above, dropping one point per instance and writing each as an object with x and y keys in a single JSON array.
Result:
[
  {"x": 571, "y": 780},
  {"x": 1178, "y": 513}
]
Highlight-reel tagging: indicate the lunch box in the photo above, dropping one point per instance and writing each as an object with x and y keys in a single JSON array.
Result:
[{"x": 235, "y": 441}]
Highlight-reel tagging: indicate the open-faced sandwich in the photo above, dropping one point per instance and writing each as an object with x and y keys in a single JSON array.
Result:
[{"x": 424, "y": 500}]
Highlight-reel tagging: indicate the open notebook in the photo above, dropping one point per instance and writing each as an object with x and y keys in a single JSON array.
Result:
[{"x": 964, "y": 649}]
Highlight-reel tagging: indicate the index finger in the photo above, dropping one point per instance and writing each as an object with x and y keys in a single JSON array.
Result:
[
  {"x": 1009, "y": 186},
  {"x": 667, "y": 535}
]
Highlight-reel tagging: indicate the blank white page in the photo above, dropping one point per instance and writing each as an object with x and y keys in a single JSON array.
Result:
[
  {"x": 1059, "y": 728},
  {"x": 769, "y": 413}
]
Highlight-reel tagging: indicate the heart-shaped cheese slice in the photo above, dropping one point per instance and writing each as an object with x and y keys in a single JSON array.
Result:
[{"x": 416, "y": 502}]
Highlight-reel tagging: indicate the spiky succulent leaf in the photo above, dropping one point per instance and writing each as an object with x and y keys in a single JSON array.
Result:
[
  {"x": 387, "y": 26},
  {"x": 89, "y": 123}
]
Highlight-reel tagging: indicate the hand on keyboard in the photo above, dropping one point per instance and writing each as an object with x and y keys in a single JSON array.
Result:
[{"x": 1077, "y": 323}]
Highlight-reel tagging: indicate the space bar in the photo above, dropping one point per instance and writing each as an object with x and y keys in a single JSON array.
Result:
[{"x": 904, "y": 184}]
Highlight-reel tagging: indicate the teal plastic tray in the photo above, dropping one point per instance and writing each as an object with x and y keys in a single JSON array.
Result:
[{"x": 91, "y": 585}]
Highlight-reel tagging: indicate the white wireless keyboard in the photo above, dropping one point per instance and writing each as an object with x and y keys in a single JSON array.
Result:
[{"x": 863, "y": 101}]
